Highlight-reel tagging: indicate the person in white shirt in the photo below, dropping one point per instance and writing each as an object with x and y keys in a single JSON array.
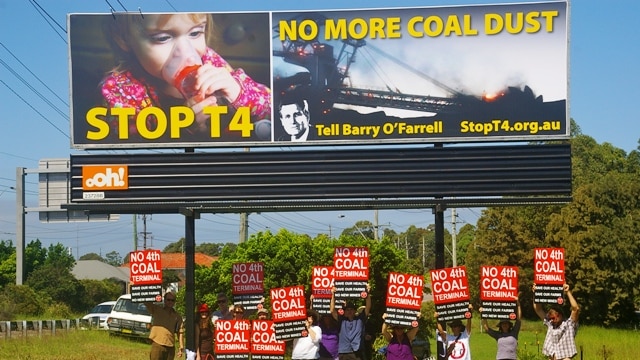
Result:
[{"x": 307, "y": 347}]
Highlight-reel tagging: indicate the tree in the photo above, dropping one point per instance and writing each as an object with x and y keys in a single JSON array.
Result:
[
  {"x": 288, "y": 259},
  {"x": 113, "y": 258},
  {"x": 176, "y": 247},
  {"x": 599, "y": 230},
  {"x": 97, "y": 291},
  {"x": 57, "y": 283},
  {"x": 464, "y": 238},
  {"x": 20, "y": 300},
  {"x": 7, "y": 263},
  {"x": 34, "y": 256},
  {"x": 212, "y": 249},
  {"x": 169, "y": 277},
  {"x": 91, "y": 256},
  {"x": 58, "y": 256},
  {"x": 363, "y": 228}
]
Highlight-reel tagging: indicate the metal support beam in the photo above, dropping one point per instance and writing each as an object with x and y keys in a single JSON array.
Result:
[{"x": 189, "y": 297}]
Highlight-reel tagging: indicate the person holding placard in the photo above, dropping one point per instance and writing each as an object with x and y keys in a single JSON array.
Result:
[
  {"x": 308, "y": 347},
  {"x": 166, "y": 322},
  {"x": 458, "y": 339},
  {"x": 506, "y": 335},
  {"x": 351, "y": 326},
  {"x": 559, "y": 343},
  {"x": 399, "y": 340}
]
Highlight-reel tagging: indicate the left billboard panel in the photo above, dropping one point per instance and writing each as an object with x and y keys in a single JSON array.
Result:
[{"x": 169, "y": 80}]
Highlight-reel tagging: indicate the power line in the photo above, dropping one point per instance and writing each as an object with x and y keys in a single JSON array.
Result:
[
  {"x": 40, "y": 10},
  {"x": 174, "y": 9},
  {"x": 34, "y": 75},
  {"x": 36, "y": 110},
  {"x": 26, "y": 83},
  {"x": 125, "y": 9}
]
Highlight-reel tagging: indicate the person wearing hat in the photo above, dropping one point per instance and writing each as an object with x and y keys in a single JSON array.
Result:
[
  {"x": 351, "y": 326},
  {"x": 559, "y": 343},
  {"x": 399, "y": 339},
  {"x": 506, "y": 335},
  {"x": 263, "y": 314},
  {"x": 458, "y": 340},
  {"x": 204, "y": 334}
]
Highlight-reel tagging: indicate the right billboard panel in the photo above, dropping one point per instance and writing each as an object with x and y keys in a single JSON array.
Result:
[{"x": 436, "y": 74}]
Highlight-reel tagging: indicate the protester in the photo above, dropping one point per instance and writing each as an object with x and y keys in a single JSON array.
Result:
[
  {"x": 204, "y": 334},
  {"x": 399, "y": 340},
  {"x": 307, "y": 347},
  {"x": 165, "y": 323},
  {"x": 238, "y": 312},
  {"x": 329, "y": 342},
  {"x": 457, "y": 342},
  {"x": 351, "y": 326},
  {"x": 506, "y": 335},
  {"x": 223, "y": 312},
  {"x": 559, "y": 343},
  {"x": 263, "y": 314}
]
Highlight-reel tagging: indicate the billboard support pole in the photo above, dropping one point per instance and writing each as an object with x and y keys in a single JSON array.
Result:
[
  {"x": 20, "y": 228},
  {"x": 189, "y": 249}
]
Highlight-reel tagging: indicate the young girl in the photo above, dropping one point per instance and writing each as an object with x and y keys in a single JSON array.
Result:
[
  {"x": 204, "y": 334},
  {"x": 149, "y": 48}
]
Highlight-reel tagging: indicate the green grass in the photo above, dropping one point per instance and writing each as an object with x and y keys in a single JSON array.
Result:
[
  {"x": 593, "y": 343},
  {"x": 74, "y": 345}
]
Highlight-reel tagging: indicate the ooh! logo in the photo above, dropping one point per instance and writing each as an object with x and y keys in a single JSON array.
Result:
[{"x": 105, "y": 177}]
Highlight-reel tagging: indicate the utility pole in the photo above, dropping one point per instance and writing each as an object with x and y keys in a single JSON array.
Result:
[
  {"x": 244, "y": 227},
  {"x": 375, "y": 224},
  {"x": 243, "y": 233},
  {"x": 144, "y": 232},
  {"x": 406, "y": 246},
  {"x": 423, "y": 248},
  {"x": 453, "y": 237},
  {"x": 135, "y": 232}
]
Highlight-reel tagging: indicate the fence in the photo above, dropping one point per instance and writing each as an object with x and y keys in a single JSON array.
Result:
[{"x": 24, "y": 328}]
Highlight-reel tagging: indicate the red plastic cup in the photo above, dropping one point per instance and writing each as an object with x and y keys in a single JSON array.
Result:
[{"x": 185, "y": 81}]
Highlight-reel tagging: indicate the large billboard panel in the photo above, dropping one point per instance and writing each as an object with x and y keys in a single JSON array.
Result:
[{"x": 374, "y": 76}]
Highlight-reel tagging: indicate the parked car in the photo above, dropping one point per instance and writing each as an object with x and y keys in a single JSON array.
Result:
[
  {"x": 128, "y": 318},
  {"x": 97, "y": 317}
]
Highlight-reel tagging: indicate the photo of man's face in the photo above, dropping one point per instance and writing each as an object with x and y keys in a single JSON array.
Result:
[{"x": 295, "y": 120}]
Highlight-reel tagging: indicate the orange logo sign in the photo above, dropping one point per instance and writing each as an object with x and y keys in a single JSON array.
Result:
[{"x": 105, "y": 177}]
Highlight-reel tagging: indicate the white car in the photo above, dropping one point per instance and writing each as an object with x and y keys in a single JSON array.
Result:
[
  {"x": 129, "y": 318},
  {"x": 97, "y": 317}
]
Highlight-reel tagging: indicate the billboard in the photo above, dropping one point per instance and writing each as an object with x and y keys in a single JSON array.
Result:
[{"x": 374, "y": 76}]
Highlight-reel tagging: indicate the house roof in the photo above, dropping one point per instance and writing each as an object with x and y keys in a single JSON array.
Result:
[
  {"x": 178, "y": 261},
  {"x": 98, "y": 270}
]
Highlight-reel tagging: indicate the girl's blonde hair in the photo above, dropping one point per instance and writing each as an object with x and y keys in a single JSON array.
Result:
[{"x": 119, "y": 28}]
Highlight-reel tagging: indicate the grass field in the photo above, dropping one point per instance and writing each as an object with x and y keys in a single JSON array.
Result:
[{"x": 593, "y": 343}]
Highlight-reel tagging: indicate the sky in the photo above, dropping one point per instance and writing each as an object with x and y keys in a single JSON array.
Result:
[{"x": 34, "y": 88}]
